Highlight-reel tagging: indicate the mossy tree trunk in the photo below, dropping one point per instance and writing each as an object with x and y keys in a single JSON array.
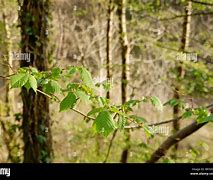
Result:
[{"x": 36, "y": 119}]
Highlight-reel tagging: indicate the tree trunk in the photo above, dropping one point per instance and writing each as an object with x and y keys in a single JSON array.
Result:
[
  {"x": 181, "y": 72},
  {"x": 125, "y": 65},
  {"x": 36, "y": 118},
  {"x": 108, "y": 44},
  {"x": 9, "y": 98}
]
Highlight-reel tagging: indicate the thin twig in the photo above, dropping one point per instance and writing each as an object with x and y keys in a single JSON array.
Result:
[
  {"x": 202, "y": 3},
  {"x": 44, "y": 93},
  {"x": 79, "y": 112},
  {"x": 183, "y": 15},
  {"x": 110, "y": 145}
]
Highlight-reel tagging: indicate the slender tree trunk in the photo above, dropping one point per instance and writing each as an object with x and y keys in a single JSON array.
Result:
[
  {"x": 183, "y": 48},
  {"x": 108, "y": 43},
  {"x": 59, "y": 53},
  {"x": 125, "y": 64},
  {"x": 36, "y": 118},
  {"x": 9, "y": 98},
  {"x": 9, "y": 94}
]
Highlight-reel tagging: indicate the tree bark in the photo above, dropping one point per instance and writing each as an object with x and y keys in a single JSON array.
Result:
[
  {"x": 9, "y": 98},
  {"x": 183, "y": 48},
  {"x": 125, "y": 68},
  {"x": 36, "y": 118},
  {"x": 108, "y": 43}
]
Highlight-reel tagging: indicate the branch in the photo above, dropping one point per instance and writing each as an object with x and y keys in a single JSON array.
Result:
[
  {"x": 6, "y": 77},
  {"x": 203, "y": 3},
  {"x": 110, "y": 145},
  {"x": 79, "y": 112},
  {"x": 172, "y": 140},
  {"x": 183, "y": 15},
  {"x": 164, "y": 122}
]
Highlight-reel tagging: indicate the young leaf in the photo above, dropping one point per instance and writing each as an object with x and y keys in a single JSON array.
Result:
[
  {"x": 27, "y": 86},
  {"x": 121, "y": 122},
  {"x": 131, "y": 103},
  {"x": 52, "y": 87},
  {"x": 148, "y": 131},
  {"x": 138, "y": 119},
  {"x": 72, "y": 70},
  {"x": 19, "y": 80},
  {"x": 104, "y": 123},
  {"x": 83, "y": 97},
  {"x": 87, "y": 78},
  {"x": 56, "y": 88},
  {"x": 172, "y": 102},
  {"x": 209, "y": 118},
  {"x": 56, "y": 73},
  {"x": 187, "y": 114},
  {"x": 68, "y": 102},
  {"x": 157, "y": 103},
  {"x": 95, "y": 110},
  {"x": 33, "y": 83}
]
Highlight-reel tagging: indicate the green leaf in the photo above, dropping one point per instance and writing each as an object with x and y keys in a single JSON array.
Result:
[
  {"x": 56, "y": 88},
  {"x": 52, "y": 87},
  {"x": 72, "y": 70},
  {"x": 187, "y": 114},
  {"x": 19, "y": 80},
  {"x": 202, "y": 114},
  {"x": 157, "y": 103},
  {"x": 103, "y": 101},
  {"x": 33, "y": 70},
  {"x": 138, "y": 119},
  {"x": 201, "y": 119},
  {"x": 27, "y": 86},
  {"x": 68, "y": 102},
  {"x": 95, "y": 110},
  {"x": 148, "y": 131},
  {"x": 33, "y": 83},
  {"x": 83, "y": 97},
  {"x": 131, "y": 103},
  {"x": 209, "y": 118},
  {"x": 87, "y": 78},
  {"x": 172, "y": 102},
  {"x": 121, "y": 122},
  {"x": 56, "y": 73},
  {"x": 104, "y": 123},
  {"x": 106, "y": 85}
]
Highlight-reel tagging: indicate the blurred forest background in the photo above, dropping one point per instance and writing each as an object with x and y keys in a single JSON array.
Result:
[{"x": 161, "y": 48}]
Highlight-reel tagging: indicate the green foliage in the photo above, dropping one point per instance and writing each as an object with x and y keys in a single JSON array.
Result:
[
  {"x": 87, "y": 78},
  {"x": 121, "y": 122},
  {"x": 157, "y": 103},
  {"x": 51, "y": 87},
  {"x": 104, "y": 123},
  {"x": 172, "y": 102},
  {"x": 19, "y": 80},
  {"x": 68, "y": 102},
  {"x": 33, "y": 83},
  {"x": 95, "y": 111},
  {"x": 138, "y": 119},
  {"x": 187, "y": 114},
  {"x": 106, "y": 117}
]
